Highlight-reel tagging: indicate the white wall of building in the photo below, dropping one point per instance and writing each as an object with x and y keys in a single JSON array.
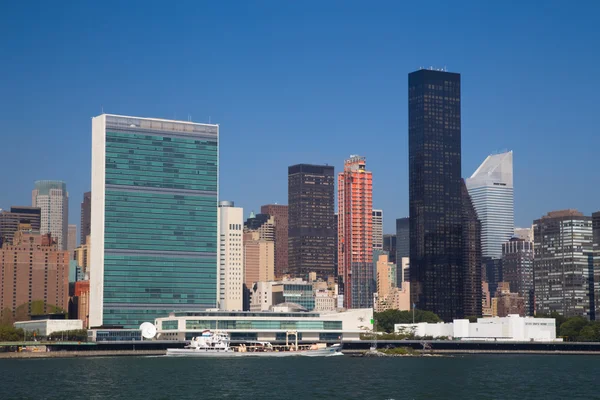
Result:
[
  {"x": 47, "y": 327},
  {"x": 230, "y": 277}
]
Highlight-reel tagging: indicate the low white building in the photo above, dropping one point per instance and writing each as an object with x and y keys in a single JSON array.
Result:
[
  {"x": 46, "y": 327},
  {"x": 511, "y": 328}
]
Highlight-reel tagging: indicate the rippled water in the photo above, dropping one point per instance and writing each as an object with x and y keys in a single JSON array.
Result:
[{"x": 461, "y": 377}]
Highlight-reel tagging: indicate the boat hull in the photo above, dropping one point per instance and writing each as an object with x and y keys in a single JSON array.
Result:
[{"x": 231, "y": 354}]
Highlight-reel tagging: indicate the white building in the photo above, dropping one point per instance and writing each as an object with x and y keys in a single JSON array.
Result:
[
  {"x": 230, "y": 257},
  {"x": 53, "y": 200},
  {"x": 492, "y": 193},
  {"x": 268, "y": 326},
  {"x": 378, "y": 229},
  {"x": 511, "y": 328},
  {"x": 46, "y": 327}
]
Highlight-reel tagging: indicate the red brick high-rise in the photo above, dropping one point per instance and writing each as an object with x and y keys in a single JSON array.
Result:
[
  {"x": 35, "y": 275},
  {"x": 280, "y": 213}
]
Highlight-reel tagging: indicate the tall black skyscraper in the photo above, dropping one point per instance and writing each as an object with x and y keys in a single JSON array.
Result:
[
  {"x": 311, "y": 220},
  {"x": 436, "y": 252},
  {"x": 402, "y": 238},
  {"x": 86, "y": 217}
]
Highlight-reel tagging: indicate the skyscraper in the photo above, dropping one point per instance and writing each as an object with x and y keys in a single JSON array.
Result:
[
  {"x": 563, "y": 264},
  {"x": 402, "y": 238},
  {"x": 311, "y": 207},
  {"x": 71, "y": 238},
  {"x": 52, "y": 198},
  {"x": 471, "y": 242},
  {"x": 378, "y": 229},
  {"x": 491, "y": 188},
  {"x": 389, "y": 246},
  {"x": 435, "y": 201},
  {"x": 231, "y": 256},
  {"x": 86, "y": 217},
  {"x": 280, "y": 213},
  {"x": 355, "y": 232},
  {"x": 10, "y": 221},
  {"x": 154, "y": 218},
  {"x": 517, "y": 270}
]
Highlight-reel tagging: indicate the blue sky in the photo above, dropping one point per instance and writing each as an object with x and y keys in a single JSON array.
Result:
[{"x": 313, "y": 82}]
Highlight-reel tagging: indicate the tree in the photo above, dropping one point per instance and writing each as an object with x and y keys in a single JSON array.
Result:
[
  {"x": 571, "y": 329},
  {"x": 10, "y": 334},
  {"x": 387, "y": 319}
]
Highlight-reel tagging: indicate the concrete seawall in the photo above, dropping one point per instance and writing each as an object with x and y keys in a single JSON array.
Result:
[{"x": 74, "y": 354}]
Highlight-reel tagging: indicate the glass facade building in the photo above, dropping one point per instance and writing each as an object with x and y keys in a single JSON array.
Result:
[
  {"x": 435, "y": 201},
  {"x": 153, "y": 219}
]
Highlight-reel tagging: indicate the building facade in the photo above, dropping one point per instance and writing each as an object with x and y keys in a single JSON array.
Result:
[
  {"x": 378, "y": 229},
  {"x": 230, "y": 256},
  {"x": 563, "y": 264},
  {"x": 435, "y": 201},
  {"x": 71, "y": 238},
  {"x": 311, "y": 207},
  {"x": 34, "y": 276},
  {"x": 153, "y": 220},
  {"x": 259, "y": 259},
  {"x": 471, "y": 258},
  {"x": 389, "y": 246},
  {"x": 402, "y": 238},
  {"x": 491, "y": 188},
  {"x": 355, "y": 232},
  {"x": 517, "y": 270},
  {"x": 10, "y": 221},
  {"x": 280, "y": 214},
  {"x": 53, "y": 200},
  {"x": 86, "y": 217}
]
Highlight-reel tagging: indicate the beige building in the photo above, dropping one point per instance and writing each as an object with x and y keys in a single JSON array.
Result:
[
  {"x": 390, "y": 297},
  {"x": 83, "y": 256},
  {"x": 230, "y": 285},
  {"x": 259, "y": 259},
  {"x": 35, "y": 276},
  {"x": 71, "y": 238}
]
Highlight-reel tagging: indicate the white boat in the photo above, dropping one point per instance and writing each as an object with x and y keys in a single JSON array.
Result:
[{"x": 216, "y": 344}]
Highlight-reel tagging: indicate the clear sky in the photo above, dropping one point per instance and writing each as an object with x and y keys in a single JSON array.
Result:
[{"x": 313, "y": 82}]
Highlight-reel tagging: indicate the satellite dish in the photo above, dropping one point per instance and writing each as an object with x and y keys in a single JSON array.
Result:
[{"x": 148, "y": 330}]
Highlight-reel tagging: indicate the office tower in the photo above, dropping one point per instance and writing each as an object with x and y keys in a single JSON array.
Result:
[
  {"x": 563, "y": 264},
  {"x": 53, "y": 200},
  {"x": 82, "y": 257},
  {"x": 86, "y": 215},
  {"x": 491, "y": 188},
  {"x": 596, "y": 263},
  {"x": 524, "y": 233},
  {"x": 311, "y": 206},
  {"x": 71, "y": 238},
  {"x": 154, "y": 218},
  {"x": 355, "y": 232},
  {"x": 259, "y": 259},
  {"x": 378, "y": 229},
  {"x": 389, "y": 246},
  {"x": 517, "y": 270},
  {"x": 435, "y": 201},
  {"x": 402, "y": 238},
  {"x": 280, "y": 213},
  {"x": 264, "y": 224},
  {"x": 34, "y": 275},
  {"x": 10, "y": 220},
  {"x": 230, "y": 256},
  {"x": 391, "y": 295},
  {"x": 471, "y": 258}
]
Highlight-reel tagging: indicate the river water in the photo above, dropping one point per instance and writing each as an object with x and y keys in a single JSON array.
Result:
[{"x": 458, "y": 377}]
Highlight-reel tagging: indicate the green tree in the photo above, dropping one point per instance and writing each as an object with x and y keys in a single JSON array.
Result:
[
  {"x": 10, "y": 334},
  {"x": 571, "y": 329},
  {"x": 387, "y": 319},
  {"x": 590, "y": 332}
]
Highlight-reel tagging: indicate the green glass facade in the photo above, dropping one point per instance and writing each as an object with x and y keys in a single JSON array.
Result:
[
  {"x": 266, "y": 325},
  {"x": 160, "y": 219}
]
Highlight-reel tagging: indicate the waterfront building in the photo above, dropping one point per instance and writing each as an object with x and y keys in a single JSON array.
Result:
[
  {"x": 512, "y": 328},
  {"x": 402, "y": 238},
  {"x": 517, "y": 270},
  {"x": 266, "y": 295},
  {"x": 268, "y": 326},
  {"x": 389, "y": 246},
  {"x": 10, "y": 221},
  {"x": 259, "y": 259},
  {"x": 153, "y": 218},
  {"x": 435, "y": 198},
  {"x": 46, "y": 327},
  {"x": 377, "y": 229},
  {"x": 471, "y": 257},
  {"x": 86, "y": 217},
  {"x": 280, "y": 213},
  {"x": 230, "y": 256},
  {"x": 563, "y": 264},
  {"x": 53, "y": 200},
  {"x": 355, "y": 232},
  {"x": 492, "y": 192},
  {"x": 524, "y": 233},
  {"x": 71, "y": 238},
  {"x": 311, "y": 208},
  {"x": 34, "y": 275}
]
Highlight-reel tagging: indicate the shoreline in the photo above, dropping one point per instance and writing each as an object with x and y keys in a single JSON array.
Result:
[{"x": 80, "y": 354}]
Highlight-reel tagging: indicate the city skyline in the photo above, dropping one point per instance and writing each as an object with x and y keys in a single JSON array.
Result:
[{"x": 311, "y": 110}]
